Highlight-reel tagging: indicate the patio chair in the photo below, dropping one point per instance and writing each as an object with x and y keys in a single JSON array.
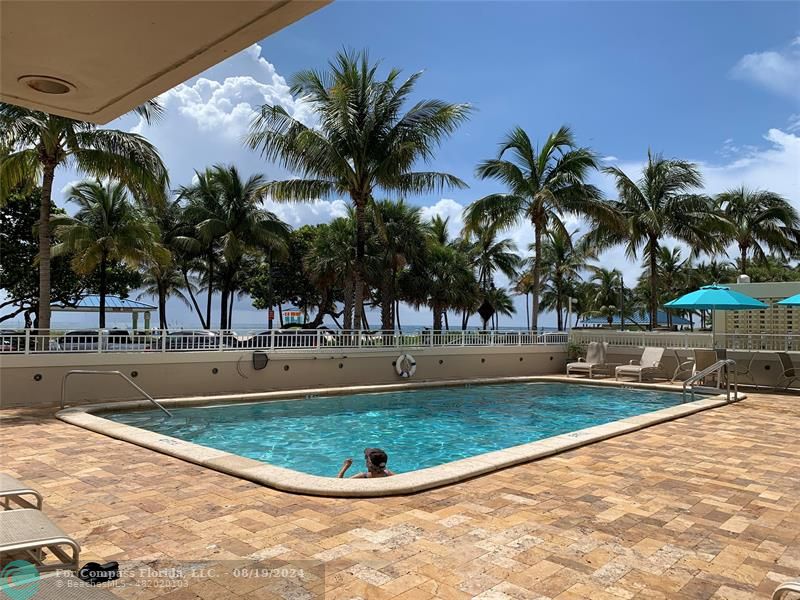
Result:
[
  {"x": 704, "y": 359},
  {"x": 27, "y": 532},
  {"x": 747, "y": 371},
  {"x": 12, "y": 490},
  {"x": 789, "y": 373},
  {"x": 63, "y": 585},
  {"x": 682, "y": 365},
  {"x": 647, "y": 366},
  {"x": 594, "y": 362}
]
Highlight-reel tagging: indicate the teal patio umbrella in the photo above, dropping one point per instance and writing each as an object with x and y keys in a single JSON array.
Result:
[
  {"x": 790, "y": 301},
  {"x": 715, "y": 297}
]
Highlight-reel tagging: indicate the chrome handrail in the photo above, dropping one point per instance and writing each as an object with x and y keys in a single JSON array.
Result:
[
  {"x": 786, "y": 588},
  {"x": 718, "y": 367},
  {"x": 119, "y": 373}
]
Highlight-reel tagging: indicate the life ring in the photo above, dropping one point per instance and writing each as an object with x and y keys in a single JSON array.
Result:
[{"x": 405, "y": 365}]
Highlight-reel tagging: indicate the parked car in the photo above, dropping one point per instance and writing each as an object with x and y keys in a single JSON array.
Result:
[
  {"x": 92, "y": 340},
  {"x": 198, "y": 339}
]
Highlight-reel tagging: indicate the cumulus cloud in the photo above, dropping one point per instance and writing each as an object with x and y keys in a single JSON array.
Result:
[
  {"x": 308, "y": 213},
  {"x": 775, "y": 70}
]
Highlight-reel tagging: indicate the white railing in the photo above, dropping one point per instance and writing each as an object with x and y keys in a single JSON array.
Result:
[
  {"x": 26, "y": 341},
  {"x": 687, "y": 340}
]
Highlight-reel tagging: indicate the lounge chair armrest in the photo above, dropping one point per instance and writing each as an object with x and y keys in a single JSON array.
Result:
[
  {"x": 635, "y": 361},
  {"x": 581, "y": 359}
]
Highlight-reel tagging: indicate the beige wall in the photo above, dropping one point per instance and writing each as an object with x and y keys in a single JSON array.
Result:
[{"x": 166, "y": 375}]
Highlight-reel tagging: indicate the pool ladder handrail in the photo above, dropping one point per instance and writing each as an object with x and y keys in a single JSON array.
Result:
[
  {"x": 728, "y": 365},
  {"x": 787, "y": 587},
  {"x": 118, "y": 373}
]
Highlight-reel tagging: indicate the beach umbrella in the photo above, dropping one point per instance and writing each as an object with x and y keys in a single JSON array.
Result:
[
  {"x": 715, "y": 297},
  {"x": 790, "y": 301}
]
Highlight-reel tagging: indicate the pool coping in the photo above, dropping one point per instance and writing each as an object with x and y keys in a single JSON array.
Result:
[{"x": 289, "y": 480}]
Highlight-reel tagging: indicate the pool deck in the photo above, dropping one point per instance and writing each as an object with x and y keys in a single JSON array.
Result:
[{"x": 706, "y": 506}]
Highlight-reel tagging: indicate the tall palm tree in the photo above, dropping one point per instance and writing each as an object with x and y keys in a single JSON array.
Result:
[
  {"x": 660, "y": 204},
  {"x": 760, "y": 220},
  {"x": 164, "y": 275},
  {"x": 443, "y": 278},
  {"x": 400, "y": 240},
  {"x": 606, "y": 294},
  {"x": 329, "y": 264},
  {"x": 490, "y": 255},
  {"x": 106, "y": 228},
  {"x": 564, "y": 258},
  {"x": 543, "y": 184},
  {"x": 364, "y": 141},
  {"x": 523, "y": 284},
  {"x": 226, "y": 213},
  {"x": 39, "y": 143}
]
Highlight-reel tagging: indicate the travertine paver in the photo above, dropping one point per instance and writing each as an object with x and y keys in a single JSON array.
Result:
[{"x": 702, "y": 507}]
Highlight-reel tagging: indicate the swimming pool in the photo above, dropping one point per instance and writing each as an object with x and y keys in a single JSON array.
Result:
[{"x": 417, "y": 428}]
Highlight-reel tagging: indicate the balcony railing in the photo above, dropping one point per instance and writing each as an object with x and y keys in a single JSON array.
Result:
[
  {"x": 26, "y": 341},
  {"x": 784, "y": 342}
]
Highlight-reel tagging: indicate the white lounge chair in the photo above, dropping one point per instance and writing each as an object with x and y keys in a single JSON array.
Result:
[
  {"x": 647, "y": 366},
  {"x": 14, "y": 491},
  {"x": 28, "y": 531},
  {"x": 594, "y": 362}
]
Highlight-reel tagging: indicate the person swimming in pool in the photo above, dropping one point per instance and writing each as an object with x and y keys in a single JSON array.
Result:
[{"x": 376, "y": 465}]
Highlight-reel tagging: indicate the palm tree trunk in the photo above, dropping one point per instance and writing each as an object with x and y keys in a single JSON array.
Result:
[
  {"x": 103, "y": 290},
  {"x": 446, "y": 321},
  {"x": 223, "y": 307},
  {"x": 358, "y": 271},
  {"x": 43, "y": 320},
  {"x": 230, "y": 311},
  {"x": 743, "y": 253},
  {"x": 559, "y": 310},
  {"x": 527, "y": 311},
  {"x": 397, "y": 315},
  {"x": 537, "y": 268},
  {"x": 387, "y": 302},
  {"x": 210, "y": 288},
  {"x": 653, "y": 284},
  {"x": 437, "y": 317},
  {"x": 162, "y": 306},
  {"x": 347, "y": 319},
  {"x": 203, "y": 323}
]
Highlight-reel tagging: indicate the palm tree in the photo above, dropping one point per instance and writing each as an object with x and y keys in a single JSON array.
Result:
[
  {"x": 759, "y": 219},
  {"x": 329, "y": 264},
  {"x": 39, "y": 143},
  {"x": 489, "y": 254},
  {"x": 657, "y": 205},
  {"x": 543, "y": 184},
  {"x": 672, "y": 271},
  {"x": 606, "y": 294},
  {"x": 501, "y": 302},
  {"x": 523, "y": 284},
  {"x": 564, "y": 259},
  {"x": 400, "y": 240},
  {"x": 227, "y": 219},
  {"x": 164, "y": 275},
  {"x": 442, "y": 278},
  {"x": 364, "y": 141},
  {"x": 106, "y": 228}
]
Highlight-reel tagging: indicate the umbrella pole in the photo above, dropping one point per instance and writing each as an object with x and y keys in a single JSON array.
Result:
[{"x": 713, "y": 332}]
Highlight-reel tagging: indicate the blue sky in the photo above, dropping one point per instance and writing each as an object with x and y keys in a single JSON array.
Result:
[{"x": 713, "y": 82}]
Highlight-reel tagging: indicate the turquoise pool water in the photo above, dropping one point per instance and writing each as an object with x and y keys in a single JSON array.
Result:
[{"x": 417, "y": 428}]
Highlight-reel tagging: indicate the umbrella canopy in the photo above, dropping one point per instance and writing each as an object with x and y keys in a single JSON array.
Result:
[
  {"x": 790, "y": 301},
  {"x": 715, "y": 297}
]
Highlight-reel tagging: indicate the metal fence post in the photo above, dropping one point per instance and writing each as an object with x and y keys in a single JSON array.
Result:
[
  {"x": 163, "y": 340},
  {"x": 27, "y": 341}
]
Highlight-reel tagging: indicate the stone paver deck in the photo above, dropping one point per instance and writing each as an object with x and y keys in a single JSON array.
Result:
[{"x": 703, "y": 507}]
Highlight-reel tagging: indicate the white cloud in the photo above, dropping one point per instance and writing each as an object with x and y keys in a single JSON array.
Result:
[
  {"x": 308, "y": 213},
  {"x": 776, "y": 70}
]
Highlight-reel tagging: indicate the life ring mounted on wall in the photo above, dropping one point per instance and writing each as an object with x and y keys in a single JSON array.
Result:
[{"x": 405, "y": 365}]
